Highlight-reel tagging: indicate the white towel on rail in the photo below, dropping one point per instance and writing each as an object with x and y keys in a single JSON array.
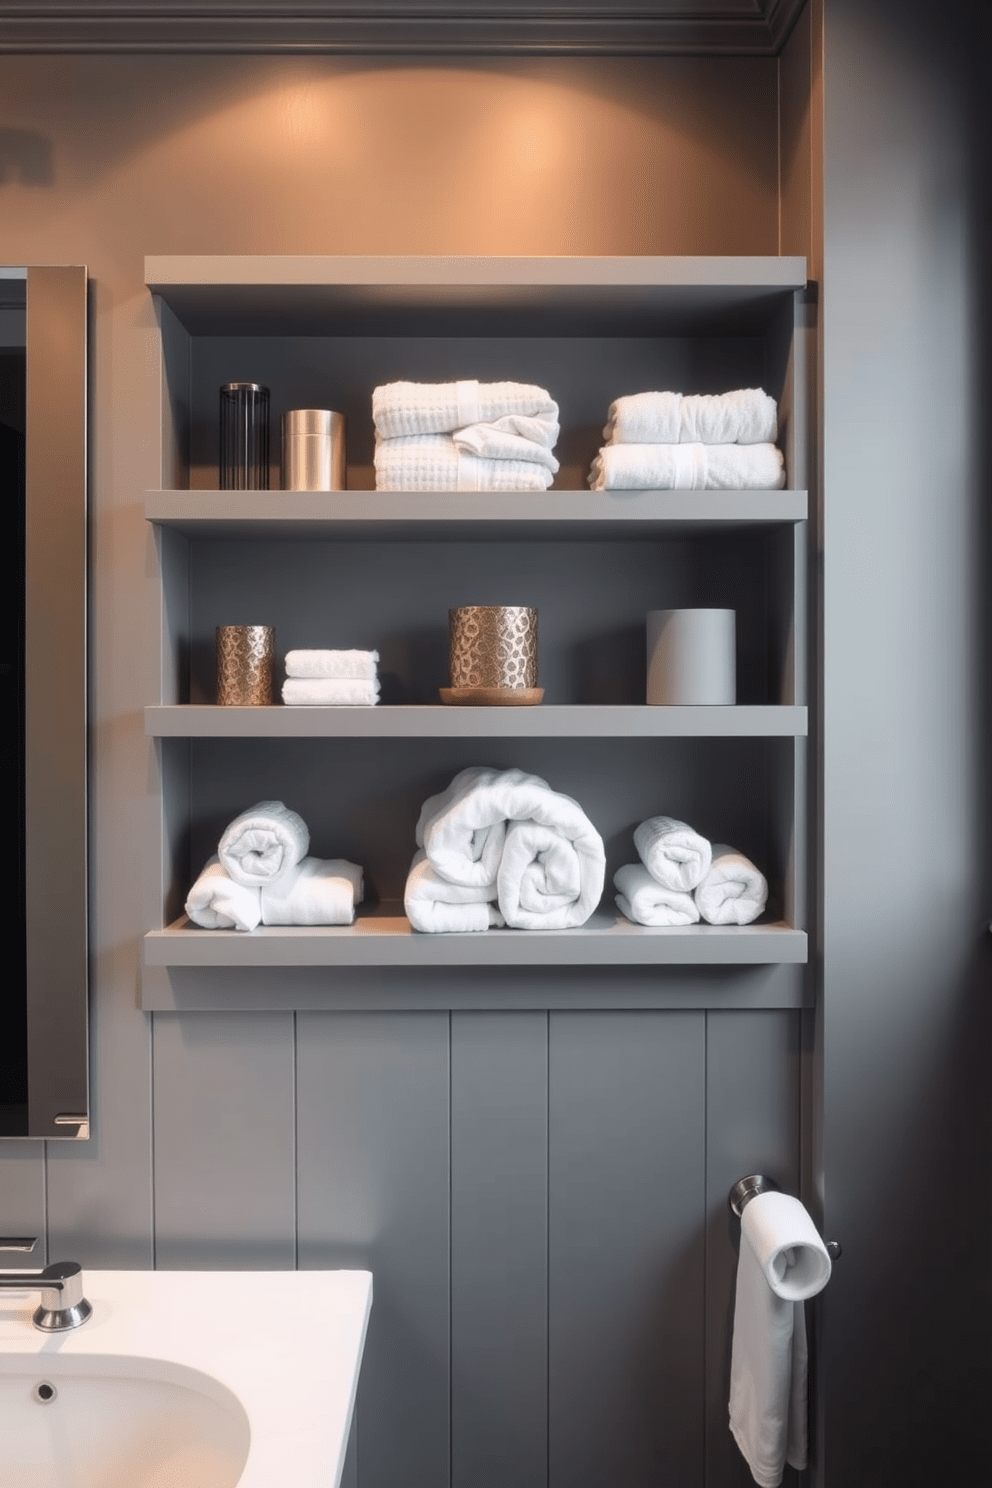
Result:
[
  {"x": 743, "y": 416},
  {"x": 433, "y": 462},
  {"x": 687, "y": 467},
  {"x": 782, "y": 1262},
  {"x": 351, "y": 666},
  {"x": 673, "y": 853},
  {"x": 400, "y": 408},
  {"x": 734, "y": 891},
  {"x": 647, "y": 902},
  {"x": 329, "y": 692},
  {"x": 216, "y": 902},
  {"x": 317, "y": 891},
  {"x": 434, "y": 904},
  {"x": 263, "y": 842}
]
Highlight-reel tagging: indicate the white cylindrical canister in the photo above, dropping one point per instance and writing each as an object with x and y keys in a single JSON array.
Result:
[
  {"x": 692, "y": 657},
  {"x": 313, "y": 450}
]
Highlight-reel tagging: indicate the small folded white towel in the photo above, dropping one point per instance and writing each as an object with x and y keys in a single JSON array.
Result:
[
  {"x": 647, "y": 902},
  {"x": 318, "y": 891},
  {"x": 216, "y": 902},
  {"x": 351, "y": 666},
  {"x": 673, "y": 853},
  {"x": 490, "y": 443},
  {"x": 400, "y": 408},
  {"x": 734, "y": 891},
  {"x": 433, "y": 462},
  {"x": 434, "y": 904},
  {"x": 262, "y": 843},
  {"x": 329, "y": 691},
  {"x": 744, "y": 416},
  {"x": 687, "y": 467},
  {"x": 782, "y": 1262}
]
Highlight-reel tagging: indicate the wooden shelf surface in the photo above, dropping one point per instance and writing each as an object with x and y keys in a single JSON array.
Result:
[{"x": 550, "y": 516}]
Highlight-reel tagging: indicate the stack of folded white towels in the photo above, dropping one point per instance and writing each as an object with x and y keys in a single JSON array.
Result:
[
  {"x": 500, "y": 847},
  {"x": 464, "y": 436},
  {"x": 706, "y": 442},
  {"x": 682, "y": 878},
  {"x": 261, "y": 875},
  {"x": 330, "y": 677}
]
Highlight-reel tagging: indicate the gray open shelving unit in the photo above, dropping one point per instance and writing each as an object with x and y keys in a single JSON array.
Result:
[{"x": 377, "y": 569}]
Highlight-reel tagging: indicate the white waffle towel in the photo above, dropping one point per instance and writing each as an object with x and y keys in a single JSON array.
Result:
[
  {"x": 433, "y": 462},
  {"x": 688, "y": 467},
  {"x": 744, "y": 416},
  {"x": 400, "y": 408}
]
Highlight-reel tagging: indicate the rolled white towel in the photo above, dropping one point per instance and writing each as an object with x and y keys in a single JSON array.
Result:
[
  {"x": 318, "y": 891},
  {"x": 490, "y": 443},
  {"x": 433, "y": 462},
  {"x": 474, "y": 861},
  {"x": 216, "y": 902},
  {"x": 329, "y": 692},
  {"x": 400, "y": 408},
  {"x": 782, "y": 1262},
  {"x": 262, "y": 843},
  {"x": 647, "y": 902},
  {"x": 744, "y": 416},
  {"x": 553, "y": 867},
  {"x": 687, "y": 467},
  {"x": 435, "y": 905},
  {"x": 673, "y": 853},
  {"x": 350, "y": 666},
  {"x": 734, "y": 891}
]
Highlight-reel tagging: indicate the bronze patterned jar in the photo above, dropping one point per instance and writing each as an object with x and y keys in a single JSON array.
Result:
[
  {"x": 493, "y": 646},
  {"x": 245, "y": 663}
]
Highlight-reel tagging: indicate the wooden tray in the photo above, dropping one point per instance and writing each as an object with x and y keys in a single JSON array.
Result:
[{"x": 491, "y": 697}]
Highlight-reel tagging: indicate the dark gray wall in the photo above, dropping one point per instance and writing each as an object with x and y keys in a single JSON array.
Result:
[{"x": 907, "y": 960}]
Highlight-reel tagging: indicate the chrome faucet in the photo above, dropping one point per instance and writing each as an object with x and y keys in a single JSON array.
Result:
[{"x": 62, "y": 1305}]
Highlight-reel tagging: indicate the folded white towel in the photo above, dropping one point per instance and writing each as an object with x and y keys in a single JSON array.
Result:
[
  {"x": 329, "y": 691},
  {"x": 491, "y": 443},
  {"x": 262, "y": 843},
  {"x": 433, "y": 462},
  {"x": 400, "y": 408},
  {"x": 318, "y": 891},
  {"x": 218, "y": 903},
  {"x": 647, "y": 902},
  {"x": 434, "y": 904},
  {"x": 687, "y": 467},
  {"x": 673, "y": 853},
  {"x": 352, "y": 666},
  {"x": 734, "y": 891},
  {"x": 744, "y": 416},
  {"x": 782, "y": 1262}
]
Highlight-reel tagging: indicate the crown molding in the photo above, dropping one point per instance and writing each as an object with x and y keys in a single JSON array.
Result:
[{"x": 477, "y": 27}]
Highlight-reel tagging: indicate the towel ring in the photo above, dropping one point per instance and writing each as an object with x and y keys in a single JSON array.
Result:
[{"x": 746, "y": 1189}]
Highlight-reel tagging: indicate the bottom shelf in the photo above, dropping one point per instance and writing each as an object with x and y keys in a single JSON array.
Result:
[{"x": 386, "y": 939}]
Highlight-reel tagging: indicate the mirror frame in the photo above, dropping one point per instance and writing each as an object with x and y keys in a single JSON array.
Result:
[{"x": 55, "y": 704}]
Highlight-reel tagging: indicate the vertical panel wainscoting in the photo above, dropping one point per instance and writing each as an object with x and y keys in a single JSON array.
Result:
[
  {"x": 373, "y": 1191},
  {"x": 223, "y": 1091}
]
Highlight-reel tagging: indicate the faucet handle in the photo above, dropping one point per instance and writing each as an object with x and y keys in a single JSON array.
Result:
[{"x": 22, "y": 1243}]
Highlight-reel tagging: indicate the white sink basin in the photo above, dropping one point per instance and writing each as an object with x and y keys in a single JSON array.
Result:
[{"x": 192, "y": 1378}]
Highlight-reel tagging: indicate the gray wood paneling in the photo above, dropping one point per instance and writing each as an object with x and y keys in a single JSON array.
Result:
[
  {"x": 22, "y": 1200},
  {"x": 752, "y": 1126},
  {"x": 224, "y": 1142},
  {"x": 499, "y": 1250},
  {"x": 625, "y": 1245},
  {"x": 373, "y": 1176}
]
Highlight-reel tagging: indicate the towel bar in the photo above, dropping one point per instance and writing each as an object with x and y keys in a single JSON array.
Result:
[{"x": 745, "y": 1189}]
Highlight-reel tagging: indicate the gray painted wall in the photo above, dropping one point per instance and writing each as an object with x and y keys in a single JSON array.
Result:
[{"x": 907, "y": 960}]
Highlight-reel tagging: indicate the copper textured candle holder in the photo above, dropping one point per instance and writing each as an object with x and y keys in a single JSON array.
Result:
[
  {"x": 492, "y": 655},
  {"x": 245, "y": 665}
]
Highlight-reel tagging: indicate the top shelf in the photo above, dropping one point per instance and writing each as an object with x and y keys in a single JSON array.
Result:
[{"x": 216, "y": 295}]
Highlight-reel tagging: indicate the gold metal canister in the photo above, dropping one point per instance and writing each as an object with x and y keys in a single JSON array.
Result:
[
  {"x": 245, "y": 665},
  {"x": 493, "y": 646}
]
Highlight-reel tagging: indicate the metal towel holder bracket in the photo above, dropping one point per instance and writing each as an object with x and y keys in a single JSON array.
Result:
[{"x": 748, "y": 1188}]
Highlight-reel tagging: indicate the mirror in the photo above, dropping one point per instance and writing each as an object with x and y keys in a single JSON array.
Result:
[{"x": 43, "y": 467}]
